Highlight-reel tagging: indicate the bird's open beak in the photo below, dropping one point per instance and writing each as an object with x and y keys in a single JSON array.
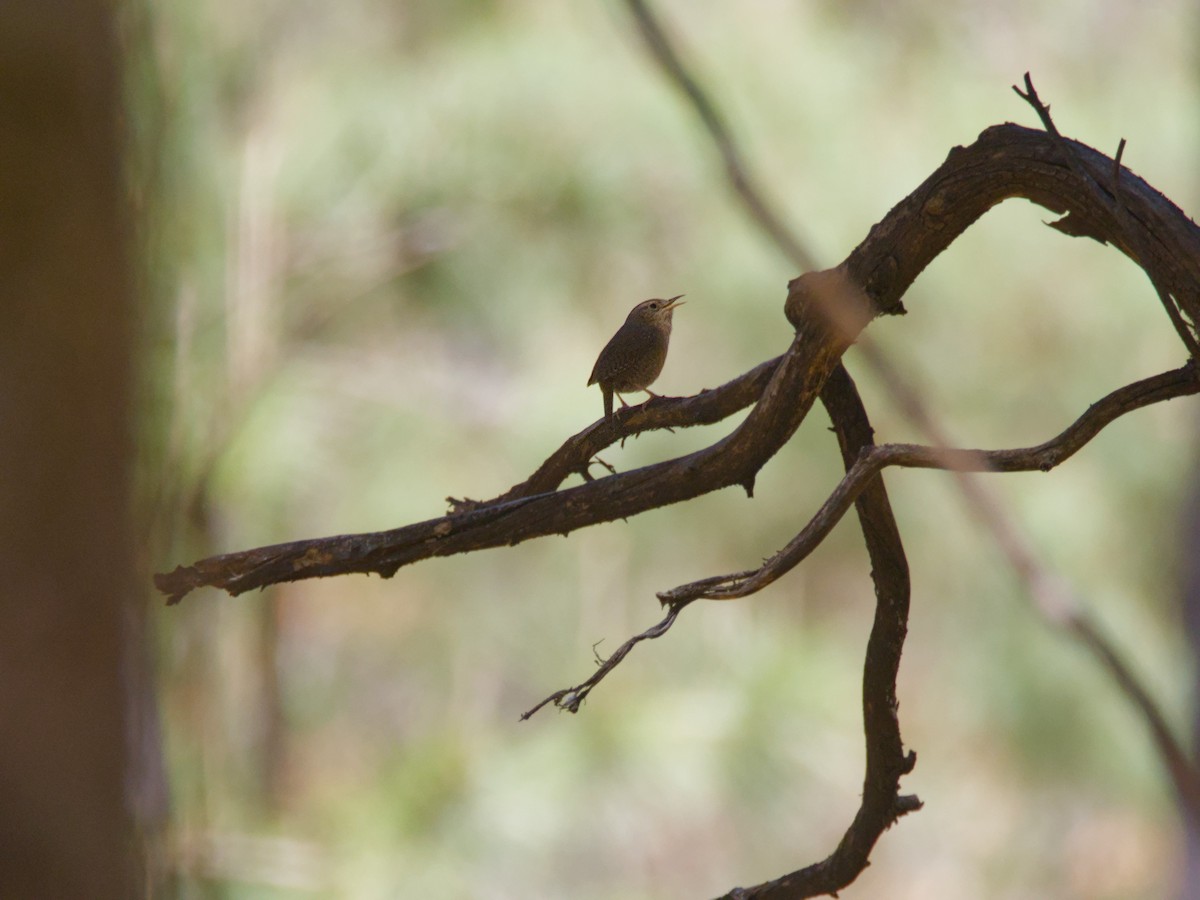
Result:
[{"x": 670, "y": 304}]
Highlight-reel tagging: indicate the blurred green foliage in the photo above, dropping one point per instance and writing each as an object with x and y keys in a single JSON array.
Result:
[{"x": 383, "y": 243}]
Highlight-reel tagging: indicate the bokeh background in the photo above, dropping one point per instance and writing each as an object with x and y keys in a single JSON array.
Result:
[{"x": 383, "y": 243}]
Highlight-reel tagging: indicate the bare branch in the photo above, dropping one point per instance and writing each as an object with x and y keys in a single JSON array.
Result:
[
  {"x": 705, "y": 408},
  {"x": 1031, "y": 97},
  {"x": 1055, "y": 599},
  {"x": 987, "y": 508},
  {"x": 791, "y": 388},
  {"x": 828, "y": 309},
  {"x": 1044, "y": 457},
  {"x": 1116, "y": 171},
  {"x": 571, "y": 698},
  {"x": 1006, "y": 161},
  {"x": 882, "y": 804},
  {"x": 991, "y": 513},
  {"x": 1132, "y": 233}
]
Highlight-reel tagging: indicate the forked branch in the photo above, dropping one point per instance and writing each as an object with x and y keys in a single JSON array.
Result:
[
  {"x": 1006, "y": 161},
  {"x": 1097, "y": 197},
  {"x": 1051, "y": 595},
  {"x": 1043, "y": 457}
]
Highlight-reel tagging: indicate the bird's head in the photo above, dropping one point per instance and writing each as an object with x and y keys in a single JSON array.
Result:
[{"x": 655, "y": 311}]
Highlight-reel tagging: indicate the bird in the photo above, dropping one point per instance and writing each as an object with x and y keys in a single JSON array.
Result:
[{"x": 634, "y": 356}]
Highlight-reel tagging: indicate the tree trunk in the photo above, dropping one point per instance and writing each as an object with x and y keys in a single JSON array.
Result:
[{"x": 65, "y": 536}]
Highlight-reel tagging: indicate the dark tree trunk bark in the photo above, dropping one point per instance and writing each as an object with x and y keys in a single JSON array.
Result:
[{"x": 65, "y": 535}]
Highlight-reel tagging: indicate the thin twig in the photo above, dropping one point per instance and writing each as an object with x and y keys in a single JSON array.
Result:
[
  {"x": 1122, "y": 220},
  {"x": 1116, "y": 173},
  {"x": 572, "y": 698},
  {"x": 1185, "y": 333},
  {"x": 1030, "y": 96}
]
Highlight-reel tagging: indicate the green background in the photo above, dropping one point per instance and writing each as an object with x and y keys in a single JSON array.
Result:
[{"x": 383, "y": 244}]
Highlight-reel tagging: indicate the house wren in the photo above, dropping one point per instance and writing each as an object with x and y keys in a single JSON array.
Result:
[{"x": 634, "y": 356}]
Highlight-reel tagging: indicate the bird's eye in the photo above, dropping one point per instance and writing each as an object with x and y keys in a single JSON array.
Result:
[{"x": 654, "y": 306}]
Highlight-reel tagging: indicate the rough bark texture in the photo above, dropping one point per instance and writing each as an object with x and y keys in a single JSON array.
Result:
[
  {"x": 887, "y": 762},
  {"x": 826, "y": 309},
  {"x": 1098, "y": 199},
  {"x": 1011, "y": 161}
]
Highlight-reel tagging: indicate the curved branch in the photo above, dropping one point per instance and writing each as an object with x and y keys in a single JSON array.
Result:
[
  {"x": 1044, "y": 457},
  {"x": 882, "y": 804},
  {"x": 1111, "y": 199},
  {"x": 572, "y": 698},
  {"x": 791, "y": 385},
  {"x": 705, "y": 408},
  {"x": 1006, "y": 161},
  {"x": 1064, "y": 612},
  {"x": 1011, "y": 161}
]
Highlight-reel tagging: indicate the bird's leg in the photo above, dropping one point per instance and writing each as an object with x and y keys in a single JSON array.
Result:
[{"x": 654, "y": 396}]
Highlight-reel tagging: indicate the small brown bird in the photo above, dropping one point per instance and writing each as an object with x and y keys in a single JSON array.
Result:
[{"x": 634, "y": 356}]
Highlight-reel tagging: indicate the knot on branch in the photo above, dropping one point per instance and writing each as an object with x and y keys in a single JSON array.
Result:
[{"x": 829, "y": 300}]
